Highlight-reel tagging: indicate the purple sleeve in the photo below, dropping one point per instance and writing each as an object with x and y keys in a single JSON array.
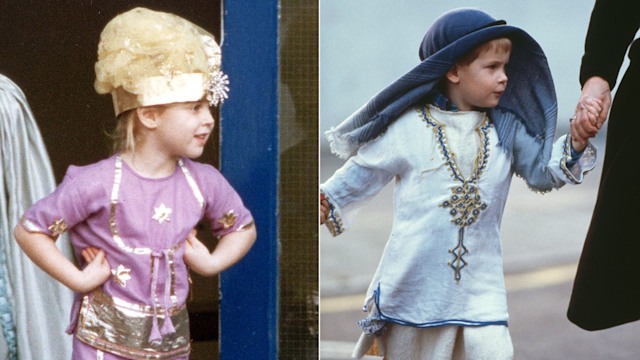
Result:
[
  {"x": 224, "y": 208},
  {"x": 58, "y": 211}
]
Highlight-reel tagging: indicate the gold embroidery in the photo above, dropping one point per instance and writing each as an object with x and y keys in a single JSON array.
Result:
[
  {"x": 228, "y": 219},
  {"x": 121, "y": 275},
  {"x": 192, "y": 183},
  {"x": 58, "y": 227},
  {"x": 162, "y": 213},
  {"x": 245, "y": 226}
]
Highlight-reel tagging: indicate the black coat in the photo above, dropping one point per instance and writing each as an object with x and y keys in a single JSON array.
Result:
[{"x": 606, "y": 290}]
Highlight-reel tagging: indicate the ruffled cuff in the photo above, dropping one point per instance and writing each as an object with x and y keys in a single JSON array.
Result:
[
  {"x": 334, "y": 220},
  {"x": 575, "y": 169}
]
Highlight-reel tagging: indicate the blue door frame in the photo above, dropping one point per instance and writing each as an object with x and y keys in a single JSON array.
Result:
[{"x": 249, "y": 160}]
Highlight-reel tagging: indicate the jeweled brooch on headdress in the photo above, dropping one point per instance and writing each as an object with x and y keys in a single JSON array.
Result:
[{"x": 218, "y": 87}]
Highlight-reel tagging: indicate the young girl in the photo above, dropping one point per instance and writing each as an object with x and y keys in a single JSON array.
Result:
[
  {"x": 129, "y": 215},
  {"x": 451, "y": 133}
]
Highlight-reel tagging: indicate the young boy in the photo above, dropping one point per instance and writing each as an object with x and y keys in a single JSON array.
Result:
[{"x": 451, "y": 134}]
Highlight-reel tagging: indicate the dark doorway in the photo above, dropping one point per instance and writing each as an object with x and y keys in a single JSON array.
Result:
[{"x": 49, "y": 49}]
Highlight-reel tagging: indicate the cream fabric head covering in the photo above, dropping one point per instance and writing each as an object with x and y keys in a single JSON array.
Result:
[{"x": 148, "y": 58}]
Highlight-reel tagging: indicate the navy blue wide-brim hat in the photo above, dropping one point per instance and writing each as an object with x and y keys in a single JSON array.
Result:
[
  {"x": 455, "y": 33},
  {"x": 529, "y": 98}
]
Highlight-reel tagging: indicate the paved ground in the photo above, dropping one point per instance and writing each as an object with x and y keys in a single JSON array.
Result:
[
  {"x": 542, "y": 236},
  {"x": 538, "y": 326}
]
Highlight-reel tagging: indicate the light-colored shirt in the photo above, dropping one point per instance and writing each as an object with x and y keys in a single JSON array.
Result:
[{"x": 442, "y": 264}]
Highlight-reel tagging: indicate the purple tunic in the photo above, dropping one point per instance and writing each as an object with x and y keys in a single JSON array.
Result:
[{"x": 141, "y": 224}]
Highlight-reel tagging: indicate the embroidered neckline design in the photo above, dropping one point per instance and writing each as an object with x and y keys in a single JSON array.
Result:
[{"x": 465, "y": 203}]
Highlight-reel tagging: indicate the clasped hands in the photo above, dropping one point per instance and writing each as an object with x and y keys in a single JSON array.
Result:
[{"x": 591, "y": 112}]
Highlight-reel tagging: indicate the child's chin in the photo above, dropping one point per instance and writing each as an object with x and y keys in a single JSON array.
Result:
[
  {"x": 492, "y": 104},
  {"x": 193, "y": 154}
]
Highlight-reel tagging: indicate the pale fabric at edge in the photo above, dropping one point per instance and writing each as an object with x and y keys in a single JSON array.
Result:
[{"x": 40, "y": 305}]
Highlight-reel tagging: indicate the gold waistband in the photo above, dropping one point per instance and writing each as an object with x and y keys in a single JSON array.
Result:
[{"x": 123, "y": 328}]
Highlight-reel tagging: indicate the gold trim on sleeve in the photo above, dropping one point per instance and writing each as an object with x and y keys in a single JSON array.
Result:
[
  {"x": 228, "y": 219},
  {"x": 57, "y": 228}
]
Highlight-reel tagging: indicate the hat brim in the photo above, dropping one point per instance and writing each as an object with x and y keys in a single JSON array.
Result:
[
  {"x": 530, "y": 79},
  {"x": 456, "y": 50}
]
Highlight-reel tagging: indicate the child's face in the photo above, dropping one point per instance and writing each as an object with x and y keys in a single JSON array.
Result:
[
  {"x": 483, "y": 81},
  {"x": 184, "y": 128}
]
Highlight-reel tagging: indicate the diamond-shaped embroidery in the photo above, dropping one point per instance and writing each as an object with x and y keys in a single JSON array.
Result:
[{"x": 465, "y": 203}]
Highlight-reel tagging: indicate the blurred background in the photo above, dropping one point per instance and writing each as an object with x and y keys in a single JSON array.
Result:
[{"x": 367, "y": 44}]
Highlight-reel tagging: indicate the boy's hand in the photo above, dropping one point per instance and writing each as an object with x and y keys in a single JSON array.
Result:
[
  {"x": 324, "y": 210},
  {"x": 584, "y": 124},
  {"x": 591, "y": 108},
  {"x": 598, "y": 88}
]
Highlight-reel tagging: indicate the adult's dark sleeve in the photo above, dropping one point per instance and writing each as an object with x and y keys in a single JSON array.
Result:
[{"x": 612, "y": 27}]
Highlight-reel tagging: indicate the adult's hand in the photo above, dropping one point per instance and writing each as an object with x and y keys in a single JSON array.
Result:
[
  {"x": 597, "y": 87},
  {"x": 586, "y": 122}
]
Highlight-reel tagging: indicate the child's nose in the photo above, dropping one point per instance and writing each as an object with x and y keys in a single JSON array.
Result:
[
  {"x": 207, "y": 119},
  {"x": 503, "y": 77}
]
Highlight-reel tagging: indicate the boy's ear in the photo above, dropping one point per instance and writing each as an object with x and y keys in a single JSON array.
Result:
[
  {"x": 148, "y": 116},
  {"x": 452, "y": 75}
]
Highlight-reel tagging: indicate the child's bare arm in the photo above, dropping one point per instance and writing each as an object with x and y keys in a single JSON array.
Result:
[
  {"x": 42, "y": 250},
  {"x": 229, "y": 250}
]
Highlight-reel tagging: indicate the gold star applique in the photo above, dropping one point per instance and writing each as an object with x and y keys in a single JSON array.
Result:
[
  {"x": 57, "y": 227},
  {"x": 161, "y": 213},
  {"x": 121, "y": 275},
  {"x": 228, "y": 219}
]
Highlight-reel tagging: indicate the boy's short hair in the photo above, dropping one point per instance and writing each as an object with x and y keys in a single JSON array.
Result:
[{"x": 499, "y": 45}]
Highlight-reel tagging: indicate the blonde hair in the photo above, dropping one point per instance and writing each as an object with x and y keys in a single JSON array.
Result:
[
  {"x": 500, "y": 45},
  {"x": 124, "y": 135}
]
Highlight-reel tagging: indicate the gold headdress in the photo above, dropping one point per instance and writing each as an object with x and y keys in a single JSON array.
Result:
[{"x": 148, "y": 58}]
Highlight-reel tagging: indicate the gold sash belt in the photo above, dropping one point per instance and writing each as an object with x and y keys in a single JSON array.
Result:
[{"x": 116, "y": 326}]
